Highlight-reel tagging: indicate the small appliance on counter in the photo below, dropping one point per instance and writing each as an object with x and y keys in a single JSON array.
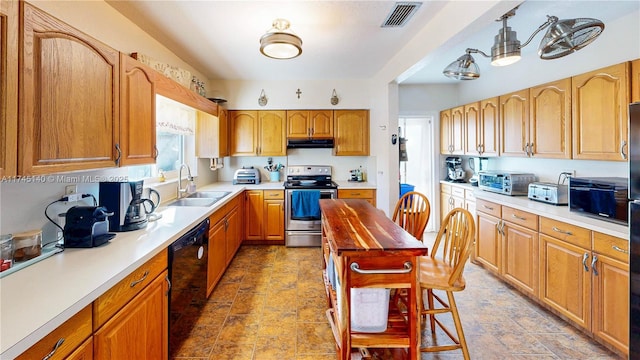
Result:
[
  {"x": 604, "y": 198},
  {"x": 124, "y": 199},
  {"x": 86, "y": 227},
  {"x": 455, "y": 173},
  {"x": 246, "y": 175},
  {"x": 477, "y": 164},
  {"x": 505, "y": 182},
  {"x": 550, "y": 193}
]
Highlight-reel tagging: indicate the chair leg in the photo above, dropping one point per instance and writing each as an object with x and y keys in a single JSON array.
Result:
[
  {"x": 458, "y": 324},
  {"x": 432, "y": 317}
]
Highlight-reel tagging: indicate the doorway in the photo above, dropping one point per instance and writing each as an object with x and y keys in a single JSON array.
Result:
[{"x": 417, "y": 169}]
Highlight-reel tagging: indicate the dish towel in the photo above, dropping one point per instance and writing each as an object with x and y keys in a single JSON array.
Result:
[{"x": 305, "y": 204}]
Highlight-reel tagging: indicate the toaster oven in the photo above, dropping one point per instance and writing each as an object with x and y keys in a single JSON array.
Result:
[
  {"x": 507, "y": 183},
  {"x": 604, "y": 198}
]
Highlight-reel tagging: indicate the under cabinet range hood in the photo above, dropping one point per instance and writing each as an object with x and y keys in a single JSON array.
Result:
[{"x": 310, "y": 143}]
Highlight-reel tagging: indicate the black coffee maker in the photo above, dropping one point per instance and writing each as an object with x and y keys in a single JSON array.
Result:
[{"x": 125, "y": 201}]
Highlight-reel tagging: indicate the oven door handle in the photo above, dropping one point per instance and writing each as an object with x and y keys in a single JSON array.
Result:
[{"x": 305, "y": 233}]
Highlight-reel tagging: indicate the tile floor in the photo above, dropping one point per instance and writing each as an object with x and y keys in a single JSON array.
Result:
[{"x": 270, "y": 304}]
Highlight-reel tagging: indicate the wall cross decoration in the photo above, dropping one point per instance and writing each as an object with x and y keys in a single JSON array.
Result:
[{"x": 299, "y": 93}]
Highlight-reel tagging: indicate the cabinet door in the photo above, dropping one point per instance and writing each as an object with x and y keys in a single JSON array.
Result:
[
  {"x": 233, "y": 234},
  {"x": 8, "y": 87},
  {"x": 488, "y": 242},
  {"x": 137, "y": 112},
  {"x": 243, "y": 133},
  {"x": 351, "y": 129},
  {"x": 472, "y": 129},
  {"x": 140, "y": 329},
  {"x": 565, "y": 279},
  {"x": 520, "y": 257},
  {"x": 321, "y": 123},
  {"x": 611, "y": 302},
  {"x": 223, "y": 131},
  {"x": 272, "y": 133},
  {"x": 274, "y": 220},
  {"x": 550, "y": 116},
  {"x": 298, "y": 124},
  {"x": 514, "y": 122},
  {"x": 600, "y": 113},
  {"x": 69, "y": 101},
  {"x": 489, "y": 127},
  {"x": 253, "y": 214},
  {"x": 445, "y": 132},
  {"x": 635, "y": 80},
  {"x": 216, "y": 260},
  {"x": 83, "y": 352},
  {"x": 457, "y": 130}
]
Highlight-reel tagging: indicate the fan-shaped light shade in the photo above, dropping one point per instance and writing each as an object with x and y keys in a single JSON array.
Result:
[
  {"x": 280, "y": 42},
  {"x": 567, "y": 36},
  {"x": 464, "y": 68}
]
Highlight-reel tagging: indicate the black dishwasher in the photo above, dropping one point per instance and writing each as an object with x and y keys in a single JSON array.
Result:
[{"x": 188, "y": 275}]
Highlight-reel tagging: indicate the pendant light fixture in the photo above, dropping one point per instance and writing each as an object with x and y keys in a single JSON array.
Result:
[
  {"x": 562, "y": 38},
  {"x": 280, "y": 42}
]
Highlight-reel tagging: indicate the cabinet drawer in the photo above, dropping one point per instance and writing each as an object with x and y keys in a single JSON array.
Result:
[
  {"x": 570, "y": 233},
  {"x": 457, "y": 191},
  {"x": 356, "y": 194},
  {"x": 611, "y": 246},
  {"x": 488, "y": 207},
  {"x": 445, "y": 188},
  {"x": 274, "y": 195},
  {"x": 74, "y": 331},
  {"x": 217, "y": 216},
  {"x": 469, "y": 195},
  {"x": 521, "y": 218},
  {"x": 120, "y": 294}
]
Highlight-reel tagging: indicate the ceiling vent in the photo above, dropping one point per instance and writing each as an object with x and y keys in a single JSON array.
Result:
[{"x": 401, "y": 13}]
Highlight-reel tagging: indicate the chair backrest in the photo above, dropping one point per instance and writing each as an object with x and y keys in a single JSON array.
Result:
[
  {"x": 456, "y": 236},
  {"x": 412, "y": 213}
]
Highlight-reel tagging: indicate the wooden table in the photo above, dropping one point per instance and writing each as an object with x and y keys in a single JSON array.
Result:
[{"x": 370, "y": 251}]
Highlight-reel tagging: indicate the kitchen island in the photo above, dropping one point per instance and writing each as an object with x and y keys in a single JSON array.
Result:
[{"x": 363, "y": 250}]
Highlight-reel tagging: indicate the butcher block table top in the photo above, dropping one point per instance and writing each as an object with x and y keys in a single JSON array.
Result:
[{"x": 356, "y": 228}]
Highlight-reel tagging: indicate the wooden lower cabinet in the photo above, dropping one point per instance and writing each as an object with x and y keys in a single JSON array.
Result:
[
  {"x": 487, "y": 249},
  {"x": 365, "y": 194},
  {"x": 83, "y": 352},
  {"x": 138, "y": 330},
  {"x": 264, "y": 217},
  {"x": 224, "y": 240},
  {"x": 611, "y": 302},
  {"x": 519, "y": 257}
]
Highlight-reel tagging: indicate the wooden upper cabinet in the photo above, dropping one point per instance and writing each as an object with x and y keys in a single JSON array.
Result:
[
  {"x": 600, "y": 113},
  {"x": 212, "y": 134},
  {"x": 489, "y": 135},
  {"x": 302, "y": 124},
  {"x": 550, "y": 120},
  {"x": 351, "y": 128},
  {"x": 514, "y": 122},
  {"x": 635, "y": 80},
  {"x": 137, "y": 112},
  {"x": 8, "y": 87},
  {"x": 69, "y": 102},
  {"x": 272, "y": 133},
  {"x": 472, "y": 128},
  {"x": 457, "y": 130},
  {"x": 445, "y": 132},
  {"x": 243, "y": 131}
]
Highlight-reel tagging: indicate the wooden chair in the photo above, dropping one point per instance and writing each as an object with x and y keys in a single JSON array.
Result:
[
  {"x": 412, "y": 213},
  {"x": 444, "y": 273}
]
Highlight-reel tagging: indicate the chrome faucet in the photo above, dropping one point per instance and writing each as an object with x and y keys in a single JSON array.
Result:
[{"x": 186, "y": 189}]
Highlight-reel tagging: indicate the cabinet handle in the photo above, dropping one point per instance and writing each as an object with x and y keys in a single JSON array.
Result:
[
  {"x": 355, "y": 194},
  {"x": 526, "y": 149},
  {"x": 487, "y": 207},
  {"x": 119, "y": 154},
  {"x": 593, "y": 264},
  {"x": 518, "y": 217},
  {"x": 622, "y": 146},
  {"x": 155, "y": 155},
  {"x": 169, "y": 285},
  {"x": 584, "y": 261},
  {"x": 620, "y": 249},
  {"x": 562, "y": 231},
  {"x": 144, "y": 276},
  {"x": 408, "y": 267},
  {"x": 55, "y": 348},
  {"x": 531, "y": 149}
]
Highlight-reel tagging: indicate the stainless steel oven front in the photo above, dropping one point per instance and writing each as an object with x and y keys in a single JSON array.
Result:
[{"x": 300, "y": 232}]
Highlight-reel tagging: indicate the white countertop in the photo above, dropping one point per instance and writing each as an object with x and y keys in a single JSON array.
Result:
[
  {"x": 560, "y": 213},
  {"x": 355, "y": 185},
  {"x": 37, "y": 299}
]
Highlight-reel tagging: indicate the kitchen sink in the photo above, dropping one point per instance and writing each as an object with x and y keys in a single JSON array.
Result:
[
  {"x": 209, "y": 194},
  {"x": 193, "y": 202}
]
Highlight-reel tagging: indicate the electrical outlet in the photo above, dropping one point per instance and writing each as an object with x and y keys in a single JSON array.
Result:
[{"x": 70, "y": 189}]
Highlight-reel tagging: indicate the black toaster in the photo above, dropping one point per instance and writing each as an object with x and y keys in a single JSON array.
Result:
[{"x": 86, "y": 227}]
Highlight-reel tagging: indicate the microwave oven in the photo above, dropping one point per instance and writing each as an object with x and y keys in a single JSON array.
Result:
[
  {"x": 604, "y": 198},
  {"x": 504, "y": 182}
]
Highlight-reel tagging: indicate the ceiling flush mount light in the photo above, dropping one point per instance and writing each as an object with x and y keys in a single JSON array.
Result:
[
  {"x": 280, "y": 42},
  {"x": 562, "y": 38}
]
